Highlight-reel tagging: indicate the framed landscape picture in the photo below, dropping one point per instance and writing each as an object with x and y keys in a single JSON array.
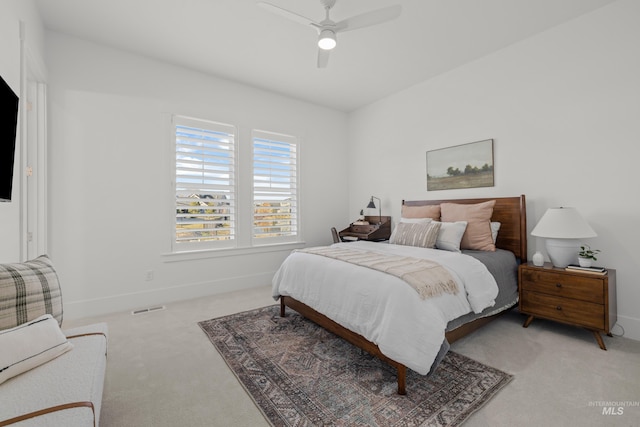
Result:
[{"x": 461, "y": 166}]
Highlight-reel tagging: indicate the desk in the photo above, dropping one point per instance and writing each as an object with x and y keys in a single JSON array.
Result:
[{"x": 372, "y": 231}]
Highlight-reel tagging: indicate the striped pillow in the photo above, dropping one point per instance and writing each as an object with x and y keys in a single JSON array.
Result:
[
  {"x": 27, "y": 291},
  {"x": 423, "y": 235},
  {"x": 30, "y": 345}
]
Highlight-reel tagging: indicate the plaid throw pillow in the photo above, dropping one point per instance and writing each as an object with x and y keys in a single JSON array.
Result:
[{"x": 29, "y": 290}]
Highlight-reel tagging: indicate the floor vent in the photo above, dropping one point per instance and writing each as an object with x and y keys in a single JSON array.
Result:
[{"x": 148, "y": 310}]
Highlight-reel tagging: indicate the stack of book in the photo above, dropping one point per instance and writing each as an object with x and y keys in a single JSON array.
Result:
[{"x": 593, "y": 270}]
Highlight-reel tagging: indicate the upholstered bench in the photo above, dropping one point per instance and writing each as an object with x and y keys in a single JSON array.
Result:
[
  {"x": 47, "y": 377},
  {"x": 66, "y": 391}
]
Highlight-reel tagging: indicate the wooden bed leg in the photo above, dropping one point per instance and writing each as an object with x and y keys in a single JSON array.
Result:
[
  {"x": 402, "y": 380},
  {"x": 282, "y": 307}
]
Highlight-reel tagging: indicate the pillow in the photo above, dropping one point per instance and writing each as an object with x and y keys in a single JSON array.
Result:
[
  {"x": 478, "y": 216},
  {"x": 416, "y": 220},
  {"x": 450, "y": 235},
  {"x": 428, "y": 211},
  {"x": 27, "y": 291},
  {"x": 415, "y": 234},
  {"x": 495, "y": 227},
  {"x": 30, "y": 345}
]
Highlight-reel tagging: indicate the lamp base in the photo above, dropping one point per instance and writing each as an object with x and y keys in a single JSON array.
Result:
[{"x": 562, "y": 252}]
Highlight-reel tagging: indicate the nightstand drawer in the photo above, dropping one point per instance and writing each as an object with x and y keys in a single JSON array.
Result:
[
  {"x": 564, "y": 285},
  {"x": 563, "y": 309}
]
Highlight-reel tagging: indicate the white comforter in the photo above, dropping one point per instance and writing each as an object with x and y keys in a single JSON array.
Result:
[{"x": 383, "y": 308}]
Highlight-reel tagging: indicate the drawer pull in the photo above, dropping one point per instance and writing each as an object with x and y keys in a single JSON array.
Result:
[
  {"x": 558, "y": 308},
  {"x": 558, "y": 285}
]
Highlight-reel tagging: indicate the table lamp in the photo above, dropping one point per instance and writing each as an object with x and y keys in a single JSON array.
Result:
[
  {"x": 562, "y": 227},
  {"x": 372, "y": 205}
]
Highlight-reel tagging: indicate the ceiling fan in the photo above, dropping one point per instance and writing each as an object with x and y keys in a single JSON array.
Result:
[{"x": 328, "y": 29}]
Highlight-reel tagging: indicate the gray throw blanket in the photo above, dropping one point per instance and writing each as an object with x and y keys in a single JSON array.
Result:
[{"x": 428, "y": 278}]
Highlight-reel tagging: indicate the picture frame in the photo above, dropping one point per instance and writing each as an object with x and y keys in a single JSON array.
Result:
[{"x": 461, "y": 166}]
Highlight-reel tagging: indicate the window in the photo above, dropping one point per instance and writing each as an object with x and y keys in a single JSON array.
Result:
[
  {"x": 275, "y": 188},
  {"x": 233, "y": 190},
  {"x": 205, "y": 168}
]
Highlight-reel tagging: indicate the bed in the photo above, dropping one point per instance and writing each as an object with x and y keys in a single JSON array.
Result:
[{"x": 368, "y": 308}]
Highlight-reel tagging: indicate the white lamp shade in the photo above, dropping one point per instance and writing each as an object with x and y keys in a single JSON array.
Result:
[
  {"x": 562, "y": 227},
  {"x": 563, "y": 223}
]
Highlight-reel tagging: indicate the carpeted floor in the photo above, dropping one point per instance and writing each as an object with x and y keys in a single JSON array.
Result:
[
  {"x": 300, "y": 374},
  {"x": 162, "y": 371}
]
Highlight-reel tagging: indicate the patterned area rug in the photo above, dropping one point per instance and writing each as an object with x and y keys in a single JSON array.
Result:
[{"x": 299, "y": 374}]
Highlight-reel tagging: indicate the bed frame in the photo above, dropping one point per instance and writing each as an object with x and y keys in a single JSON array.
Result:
[{"x": 509, "y": 211}]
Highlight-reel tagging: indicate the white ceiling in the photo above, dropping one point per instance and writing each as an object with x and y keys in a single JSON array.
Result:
[{"x": 237, "y": 40}]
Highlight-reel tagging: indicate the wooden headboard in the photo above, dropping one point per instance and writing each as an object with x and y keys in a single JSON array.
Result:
[{"x": 511, "y": 212}]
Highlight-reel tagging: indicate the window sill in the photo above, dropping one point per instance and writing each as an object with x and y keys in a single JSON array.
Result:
[{"x": 229, "y": 252}]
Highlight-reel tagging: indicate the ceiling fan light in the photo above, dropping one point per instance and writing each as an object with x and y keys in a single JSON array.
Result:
[{"x": 327, "y": 40}]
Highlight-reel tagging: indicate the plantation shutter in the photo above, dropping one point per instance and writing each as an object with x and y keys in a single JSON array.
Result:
[
  {"x": 204, "y": 183},
  {"x": 275, "y": 187}
]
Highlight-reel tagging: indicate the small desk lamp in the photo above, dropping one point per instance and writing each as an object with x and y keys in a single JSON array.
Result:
[
  {"x": 562, "y": 227},
  {"x": 372, "y": 205}
]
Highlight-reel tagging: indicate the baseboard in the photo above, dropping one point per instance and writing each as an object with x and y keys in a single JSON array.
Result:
[
  {"x": 628, "y": 327},
  {"x": 125, "y": 302}
]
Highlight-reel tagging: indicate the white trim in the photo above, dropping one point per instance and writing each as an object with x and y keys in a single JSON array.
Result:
[
  {"x": 230, "y": 252},
  {"x": 42, "y": 246},
  {"x": 33, "y": 153},
  {"x": 20, "y": 174},
  {"x": 36, "y": 160},
  {"x": 630, "y": 326}
]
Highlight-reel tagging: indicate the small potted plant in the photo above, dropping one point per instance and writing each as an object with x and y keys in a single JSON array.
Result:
[{"x": 586, "y": 255}]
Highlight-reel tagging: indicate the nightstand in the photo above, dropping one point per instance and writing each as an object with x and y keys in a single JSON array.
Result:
[{"x": 581, "y": 299}]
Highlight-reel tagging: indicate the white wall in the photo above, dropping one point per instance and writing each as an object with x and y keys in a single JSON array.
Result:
[
  {"x": 110, "y": 203},
  {"x": 563, "y": 109},
  {"x": 12, "y": 12}
]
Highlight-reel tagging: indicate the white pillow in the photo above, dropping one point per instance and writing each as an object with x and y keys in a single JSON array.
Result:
[
  {"x": 30, "y": 345},
  {"x": 450, "y": 235},
  {"x": 495, "y": 227},
  {"x": 416, "y": 220}
]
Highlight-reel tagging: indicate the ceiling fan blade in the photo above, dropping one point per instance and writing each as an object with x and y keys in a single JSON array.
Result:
[
  {"x": 323, "y": 58},
  {"x": 369, "y": 18},
  {"x": 287, "y": 13}
]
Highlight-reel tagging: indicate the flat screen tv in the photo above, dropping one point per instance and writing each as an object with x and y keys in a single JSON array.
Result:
[{"x": 8, "y": 129}]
